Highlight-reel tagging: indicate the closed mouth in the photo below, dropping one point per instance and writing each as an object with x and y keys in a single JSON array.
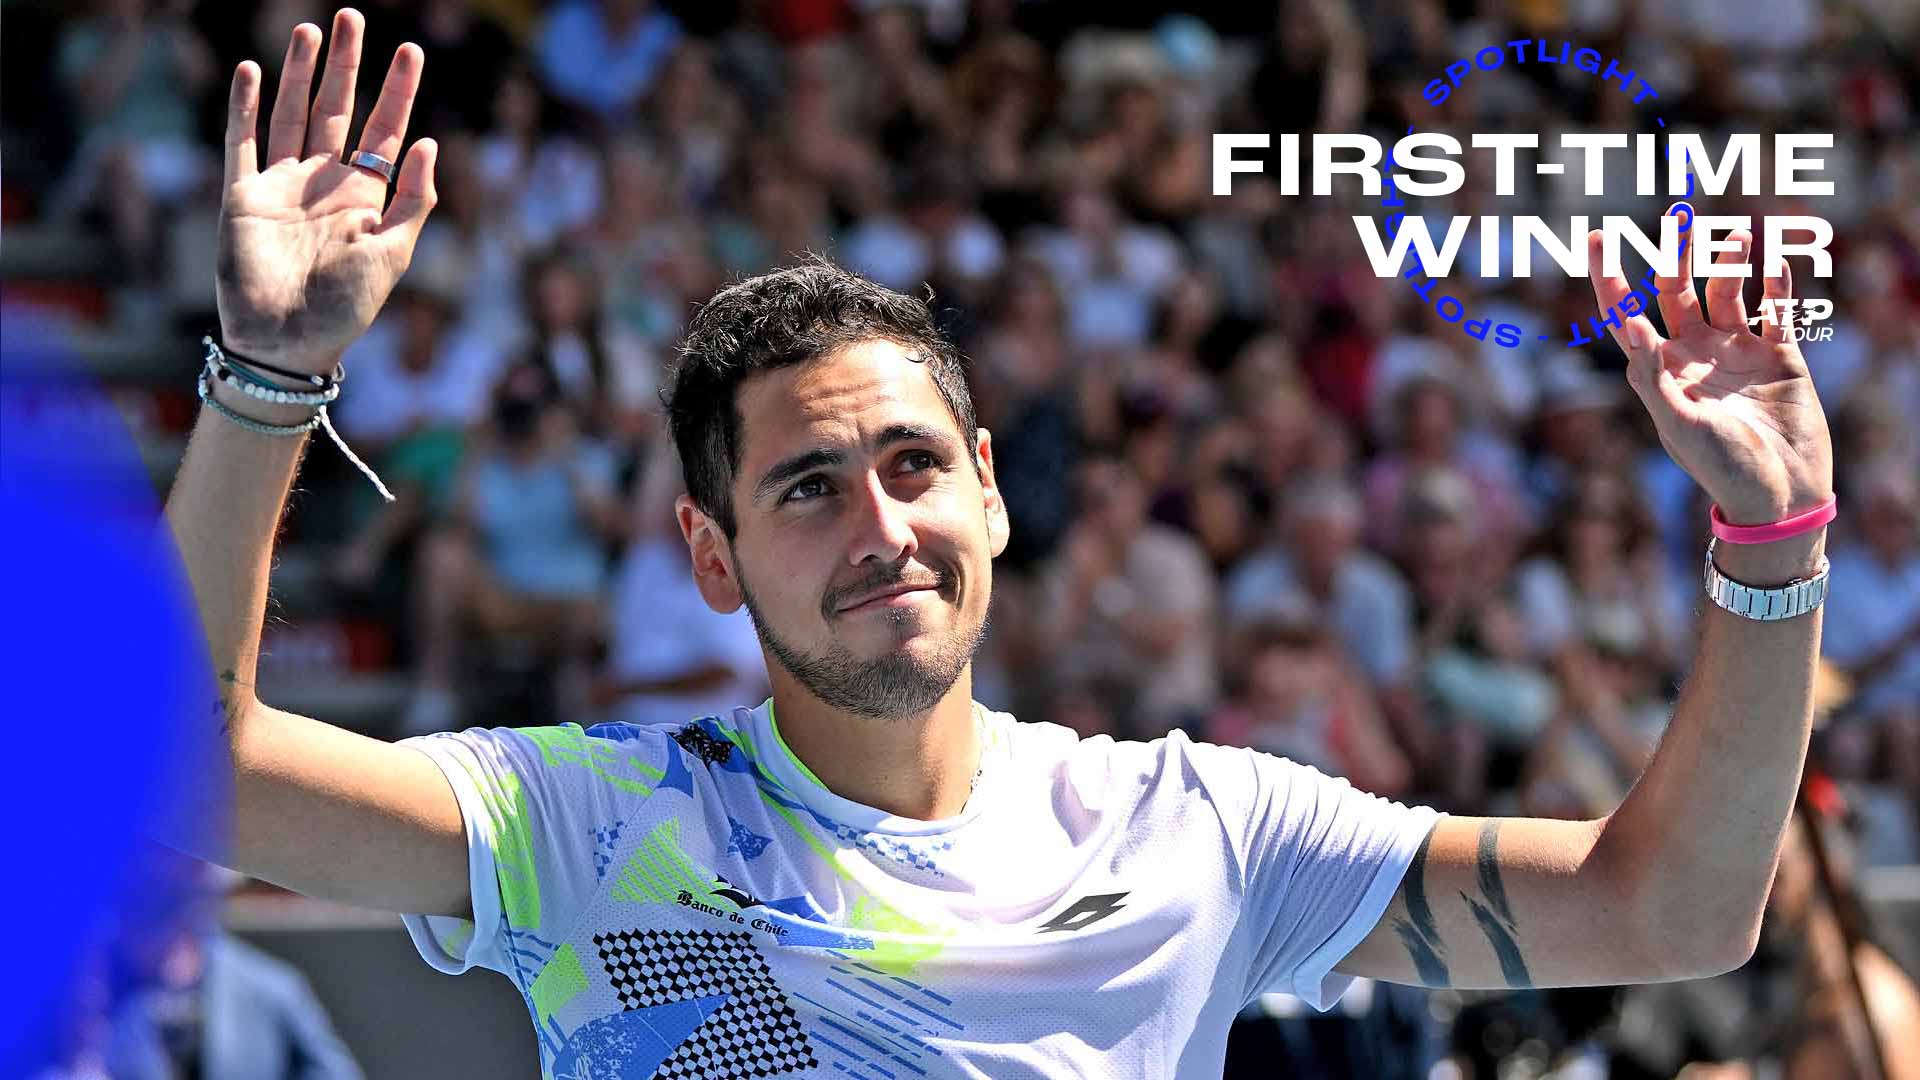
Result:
[{"x": 897, "y": 590}]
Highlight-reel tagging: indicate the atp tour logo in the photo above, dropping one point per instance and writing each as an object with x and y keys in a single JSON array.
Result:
[{"x": 1780, "y": 312}]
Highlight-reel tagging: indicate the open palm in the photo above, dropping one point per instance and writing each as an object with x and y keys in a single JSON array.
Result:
[
  {"x": 1735, "y": 408},
  {"x": 309, "y": 250}
]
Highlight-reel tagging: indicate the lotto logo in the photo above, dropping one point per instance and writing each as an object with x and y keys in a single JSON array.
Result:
[{"x": 1795, "y": 316}]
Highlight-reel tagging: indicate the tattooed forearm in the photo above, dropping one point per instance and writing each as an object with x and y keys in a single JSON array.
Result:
[
  {"x": 1418, "y": 931},
  {"x": 1496, "y": 915}
]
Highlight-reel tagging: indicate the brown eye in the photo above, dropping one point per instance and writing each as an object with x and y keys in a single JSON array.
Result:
[{"x": 796, "y": 493}]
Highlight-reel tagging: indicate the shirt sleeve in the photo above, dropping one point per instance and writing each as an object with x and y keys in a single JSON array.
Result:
[
  {"x": 534, "y": 802},
  {"x": 1320, "y": 861}
]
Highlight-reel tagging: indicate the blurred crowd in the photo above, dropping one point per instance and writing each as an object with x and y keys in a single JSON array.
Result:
[{"x": 1257, "y": 493}]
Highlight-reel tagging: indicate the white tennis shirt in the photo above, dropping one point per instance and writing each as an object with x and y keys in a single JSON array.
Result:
[{"x": 689, "y": 901}]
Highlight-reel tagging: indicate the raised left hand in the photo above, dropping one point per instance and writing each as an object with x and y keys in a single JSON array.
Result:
[{"x": 1735, "y": 408}]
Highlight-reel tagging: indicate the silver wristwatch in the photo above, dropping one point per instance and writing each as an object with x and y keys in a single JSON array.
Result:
[{"x": 1796, "y": 597}]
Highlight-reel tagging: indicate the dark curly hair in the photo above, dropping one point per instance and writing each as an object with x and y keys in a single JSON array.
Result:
[{"x": 776, "y": 320}]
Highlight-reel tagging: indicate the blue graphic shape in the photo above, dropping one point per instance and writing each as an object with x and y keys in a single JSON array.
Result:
[
  {"x": 605, "y": 841},
  {"x": 678, "y": 777},
  {"x": 806, "y": 925},
  {"x": 748, "y": 843},
  {"x": 780, "y": 796},
  {"x": 615, "y": 731},
  {"x": 632, "y": 1045}
]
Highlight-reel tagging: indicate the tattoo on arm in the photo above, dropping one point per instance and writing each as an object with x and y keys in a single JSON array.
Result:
[
  {"x": 1417, "y": 931},
  {"x": 229, "y": 702},
  {"x": 1420, "y": 934},
  {"x": 1496, "y": 915}
]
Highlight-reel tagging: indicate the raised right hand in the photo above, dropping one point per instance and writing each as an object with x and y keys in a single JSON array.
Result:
[{"x": 307, "y": 254}]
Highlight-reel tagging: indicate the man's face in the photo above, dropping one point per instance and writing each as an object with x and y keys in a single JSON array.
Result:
[
  {"x": 1323, "y": 536},
  {"x": 854, "y": 483}
]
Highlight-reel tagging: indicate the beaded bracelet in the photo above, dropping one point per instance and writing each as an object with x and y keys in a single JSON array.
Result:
[
  {"x": 248, "y": 422},
  {"x": 255, "y": 387}
]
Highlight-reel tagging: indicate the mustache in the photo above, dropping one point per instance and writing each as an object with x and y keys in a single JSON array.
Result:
[{"x": 895, "y": 575}]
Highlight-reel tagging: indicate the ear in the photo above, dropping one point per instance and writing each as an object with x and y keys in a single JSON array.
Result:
[
  {"x": 711, "y": 556},
  {"x": 999, "y": 527}
]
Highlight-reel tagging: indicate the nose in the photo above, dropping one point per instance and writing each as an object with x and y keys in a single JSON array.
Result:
[{"x": 882, "y": 529}]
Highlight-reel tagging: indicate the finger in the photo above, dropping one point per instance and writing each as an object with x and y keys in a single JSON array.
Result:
[
  {"x": 386, "y": 129},
  {"x": 287, "y": 134},
  {"x": 243, "y": 123},
  {"x": 414, "y": 197},
  {"x": 1779, "y": 287},
  {"x": 1679, "y": 304},
  {"x": 333, "y": 107},
  {"x": 1635, "y": 334},
  {"x": 1726, "y": 308}
]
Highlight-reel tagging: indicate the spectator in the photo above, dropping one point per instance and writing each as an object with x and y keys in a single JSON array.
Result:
[
  {"x": 1598, "y": 582},
  {"x": 1297, "y": 696},
  {"x": 1131, "y": 600},
  {"x": 1489, "y": 697},
  {"x": 781, "y": 211},
  {"x": 132, "y": 74},
  {"x": 1315, "y": 561},
  {"x": 1111, "y": 270},
  {"x": 524, "y": 550},
  {"x": 1187, "y": 321},
  {"x": 1283, "y": 428},
  {"x": 1025, "y": 392},
  {"x": 1427, "y": 432},
  {"x": 1576, "y": 430},
  {"x": 602, "y": 55},
  {"x": 470, "y": 233},
  {"x": 904, "y": 97},
  {"x": 195, "y": 1001},
  {"x": 545, "y": 181},
  {"x": 697, "y": 121},
  {"x": 671, "y": 657},
  {"x": 1873, "y": 632},
  {"x": 421, "y": 382},
  {"x": 605, "y": 374},
  {"x": 935, "y": 238},
  {"x": 470, "y": 51},
  {"x": 643, "y": 228}
]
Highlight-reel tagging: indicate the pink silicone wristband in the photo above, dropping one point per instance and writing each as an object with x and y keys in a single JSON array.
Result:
[{"x": 1778, "y": 530}]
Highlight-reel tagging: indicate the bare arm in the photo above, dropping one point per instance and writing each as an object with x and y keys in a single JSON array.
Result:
[
  {"x": 307, "y": 257},
  {"x": 1672, "y": 884}
]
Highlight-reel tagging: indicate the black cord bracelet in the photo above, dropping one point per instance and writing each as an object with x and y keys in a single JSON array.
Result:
[{"x": 320, "y": 382}]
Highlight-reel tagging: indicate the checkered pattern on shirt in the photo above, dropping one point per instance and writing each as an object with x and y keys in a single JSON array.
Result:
[
  {"x": 754, "y": 1034},
  {"x": 919, "y": 853}
]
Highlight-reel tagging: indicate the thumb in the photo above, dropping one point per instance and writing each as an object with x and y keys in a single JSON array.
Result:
[{"x": 413, "y": 198}]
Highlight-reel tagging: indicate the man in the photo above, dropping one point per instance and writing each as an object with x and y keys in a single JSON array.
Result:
[
  {"x": 196, "y": 1001},
  {"x": 889, "y": 877}
]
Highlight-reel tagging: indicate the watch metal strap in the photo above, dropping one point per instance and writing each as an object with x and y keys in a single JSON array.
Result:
[{"x": 1766, "y": 605}]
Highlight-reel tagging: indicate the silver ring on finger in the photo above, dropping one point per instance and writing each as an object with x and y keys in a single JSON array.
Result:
[{"x": 361, "y": 159}]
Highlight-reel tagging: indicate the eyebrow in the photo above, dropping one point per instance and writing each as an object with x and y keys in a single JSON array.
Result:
[{"x": 822, "y": 457}]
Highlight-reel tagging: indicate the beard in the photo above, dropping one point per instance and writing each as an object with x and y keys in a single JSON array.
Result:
[{"x": 895, "y": 686}]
